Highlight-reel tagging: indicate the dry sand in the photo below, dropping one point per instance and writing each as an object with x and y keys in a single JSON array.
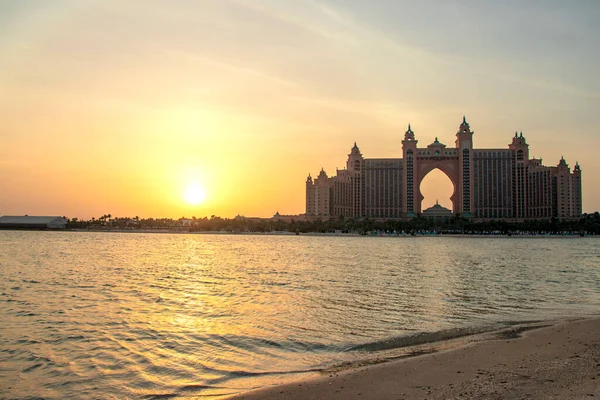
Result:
[{"x": 557, "y": 362}]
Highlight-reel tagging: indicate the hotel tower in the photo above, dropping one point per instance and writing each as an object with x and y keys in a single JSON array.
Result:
[{"x": 488, "y": 183}]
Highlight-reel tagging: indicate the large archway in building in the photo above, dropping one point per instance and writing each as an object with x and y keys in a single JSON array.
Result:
[
  {"x": 436, "y": 188},
  {"x": 449, "y": 166}
]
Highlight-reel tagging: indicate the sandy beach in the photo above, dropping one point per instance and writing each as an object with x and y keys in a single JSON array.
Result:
[{"x": 561, "y": 361}]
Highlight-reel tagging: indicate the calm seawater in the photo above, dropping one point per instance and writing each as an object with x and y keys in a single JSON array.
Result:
[{"x": 109, "y": 315}]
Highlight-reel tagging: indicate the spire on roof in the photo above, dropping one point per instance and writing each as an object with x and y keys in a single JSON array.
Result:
[
  {"x": 562, "y": 162},
  {"x": 409, "y": 135},
  {"x": 464, "y": 126}
]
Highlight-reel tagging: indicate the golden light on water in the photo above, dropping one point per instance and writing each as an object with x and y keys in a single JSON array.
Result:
[{"x": 194, "y": 194}]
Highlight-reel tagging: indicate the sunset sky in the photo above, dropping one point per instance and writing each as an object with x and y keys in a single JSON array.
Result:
[{"x": 118, "y": 106}]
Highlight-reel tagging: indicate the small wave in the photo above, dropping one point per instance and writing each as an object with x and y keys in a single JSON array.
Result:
[
  {"x": 75, "y": 337},
  {"x": 227, "y": 375},
  {"x": 254, "y": 343},
  {"x": 31, "y": 368},
  {"x": 34, "y": 358},
  {"x": 25, "y": 314},
  {"x": 417, "y": 339},
  {"x": 28, "y": 341}
]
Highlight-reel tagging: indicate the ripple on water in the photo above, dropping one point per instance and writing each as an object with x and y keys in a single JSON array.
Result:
[{"x": 163, "y": 316}]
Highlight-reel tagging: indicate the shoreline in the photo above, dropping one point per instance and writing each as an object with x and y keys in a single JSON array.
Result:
[
  {"x": 546, "y": 360},
  {"x": 316, "y": 234}
]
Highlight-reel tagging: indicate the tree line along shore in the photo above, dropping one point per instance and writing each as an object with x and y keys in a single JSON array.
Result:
[{"x": 588, "y": 224}]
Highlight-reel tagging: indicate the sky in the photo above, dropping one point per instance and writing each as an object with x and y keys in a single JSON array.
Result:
[{"x": 119, "y": 106}]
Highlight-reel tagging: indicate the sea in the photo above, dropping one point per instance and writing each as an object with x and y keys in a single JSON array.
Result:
[{"x": 152, "y": 316}]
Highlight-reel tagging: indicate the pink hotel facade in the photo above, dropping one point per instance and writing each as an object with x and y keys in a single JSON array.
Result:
[{"x": 488, "y": 183}]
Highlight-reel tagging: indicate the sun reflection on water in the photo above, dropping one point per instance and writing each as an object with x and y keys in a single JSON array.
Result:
[{"x": 161, "y": 314}]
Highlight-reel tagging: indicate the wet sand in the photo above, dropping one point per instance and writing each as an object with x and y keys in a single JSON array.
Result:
[{"x": 556, "y": 362}]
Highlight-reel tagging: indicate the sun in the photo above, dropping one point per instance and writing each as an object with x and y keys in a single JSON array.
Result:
[{"x": 194, "y": 194}]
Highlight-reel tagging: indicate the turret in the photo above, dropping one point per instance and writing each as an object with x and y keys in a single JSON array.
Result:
[
  {"x": 322, "y": 174},
  {"x": 309, "y": 180},
  {"x": 409, "y": 134},
  {"x": 520, "y": 147},
  {"x": 464, "y": 145},
  {"x": 464, "y": 126},
  {"x": 464, "y": 135},
  {"x": 409, "y": 154},
  {"x": 576, "y": 179},
  {"x": 563, "y": 163},
  {"x": 409, "y": 142},
  {"x": 519, "y": 139},
  {"x": 355, "y": 159}
]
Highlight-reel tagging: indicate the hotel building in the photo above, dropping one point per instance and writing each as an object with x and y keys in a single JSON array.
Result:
[{"x": 488, "y": 183}]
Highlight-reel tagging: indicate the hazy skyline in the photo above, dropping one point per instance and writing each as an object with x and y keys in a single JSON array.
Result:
[{"x": 117, "y": 107}]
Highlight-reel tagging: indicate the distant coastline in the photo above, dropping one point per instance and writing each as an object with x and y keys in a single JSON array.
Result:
[
  {"x": 337, "y": 234},
  {"x": 588, "y": 224}
]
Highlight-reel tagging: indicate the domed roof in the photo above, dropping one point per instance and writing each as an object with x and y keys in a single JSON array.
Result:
[
  {"x": 436, "y": 143},
  {"x": 437, "y": 211},
  {"x": 355, "y": 149}
]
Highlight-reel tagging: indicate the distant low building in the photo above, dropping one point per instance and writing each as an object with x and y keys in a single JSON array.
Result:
[
  {"x": 247, "y": 219},
  {"x": 288, "y": 217},
  {"x": 438, "y": 213},
  {"x": 32, "y": 222},
  {"x": 186, "y": 222}
]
